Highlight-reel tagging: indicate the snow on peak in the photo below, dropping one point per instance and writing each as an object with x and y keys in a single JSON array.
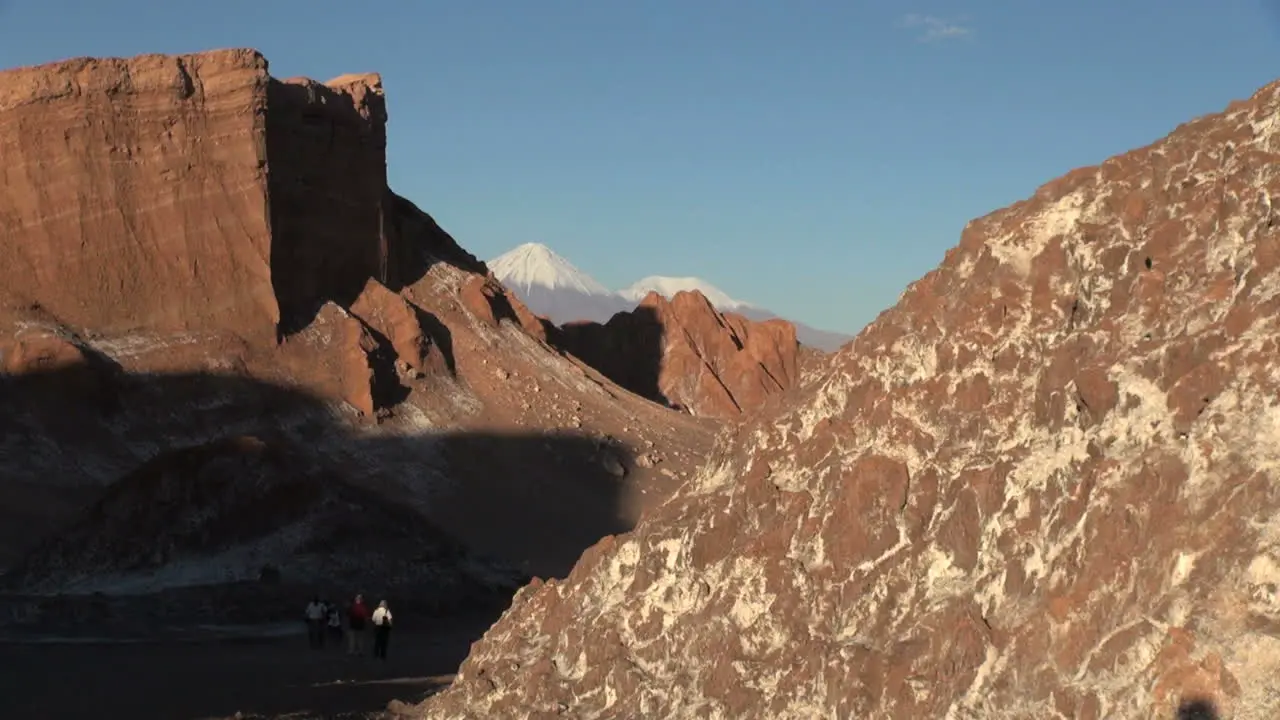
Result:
[
  {"x": 535, "y": 265},
  {"x": 669, "y": 286},
  {"x": 554, "y": 288}
]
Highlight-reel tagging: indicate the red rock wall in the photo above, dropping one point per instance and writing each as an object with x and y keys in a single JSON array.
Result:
[
  {"x": 133, "y": 192},
  {"x": 189, "y": 193}
]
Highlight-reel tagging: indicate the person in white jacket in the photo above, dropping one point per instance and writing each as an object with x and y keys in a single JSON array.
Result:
[
  {"x": 381, "y": 629},
  {"x": 315, "y": 615}
]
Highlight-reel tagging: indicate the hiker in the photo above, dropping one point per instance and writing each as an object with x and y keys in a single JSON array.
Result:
[
  {"x": 335, "y": 623},
  {"x": 357, "y": 618},
  {"x": 315, "y": 623},
  {"x": 381, "y": 630}
]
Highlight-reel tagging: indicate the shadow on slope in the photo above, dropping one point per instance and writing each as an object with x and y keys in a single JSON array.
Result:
[
  {"x": 687, "y": 355},
  {"x": 334, "y": 223},
  {"x": 223, "y": 500},
  {"x": 628, "y": 349}
]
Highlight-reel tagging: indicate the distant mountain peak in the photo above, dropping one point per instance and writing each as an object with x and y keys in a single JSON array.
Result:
[
  {"x": 533, "y": 265},
  {"x": 667, "y": 287},
  {"x": 555, "y": 288}
]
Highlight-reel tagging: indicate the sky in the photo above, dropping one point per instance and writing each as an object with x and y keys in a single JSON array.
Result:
[{"x": 809, "y": 156}]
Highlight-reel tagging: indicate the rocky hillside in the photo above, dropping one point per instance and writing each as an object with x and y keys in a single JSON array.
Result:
[
  {"x": 684, "y": 353},
  {"x": 203, "y": 261},
  {"x": 1042, "y": 485}
]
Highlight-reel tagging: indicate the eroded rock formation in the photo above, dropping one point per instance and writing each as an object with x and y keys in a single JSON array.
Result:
[
  {"x": 1042, "y": 485},
  {"x": 685, "y": 353},
  {"x": 208, "y": 281}
]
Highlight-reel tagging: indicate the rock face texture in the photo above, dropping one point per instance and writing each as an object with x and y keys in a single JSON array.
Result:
[
  {"x": 327, "y": 176},
  {"x": 226, "y": 344},
  {"x": 685, "y": 353},
  {"x": 135, "y": 192},
  {"x": 1042, "y": 485},
  {"x": 158, "y": 192}
]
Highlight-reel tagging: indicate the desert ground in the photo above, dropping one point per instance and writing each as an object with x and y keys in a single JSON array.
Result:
[{"x": 261, "y": 673}]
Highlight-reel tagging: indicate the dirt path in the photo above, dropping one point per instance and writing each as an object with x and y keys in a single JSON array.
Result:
[{"x": 215, "y": 679}]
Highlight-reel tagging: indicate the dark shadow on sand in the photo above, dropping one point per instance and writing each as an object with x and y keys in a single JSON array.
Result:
[{"x": 151, "y": 470}]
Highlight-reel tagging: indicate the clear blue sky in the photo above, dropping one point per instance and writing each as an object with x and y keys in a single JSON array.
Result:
[{"x": 812, "y": 156}]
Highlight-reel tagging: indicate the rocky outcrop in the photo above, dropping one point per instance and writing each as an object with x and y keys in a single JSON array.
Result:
[
  {"x": 684, "y": 353},
  {"x": 488, "y": 300},
  {"x": 1040, "y": 486}
]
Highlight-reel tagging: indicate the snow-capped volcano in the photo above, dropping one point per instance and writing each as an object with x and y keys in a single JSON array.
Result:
[
  {"x": 669, "y": 286},
  {"x": 555, "y": 288},
  {"x": 536, "y": 265}
]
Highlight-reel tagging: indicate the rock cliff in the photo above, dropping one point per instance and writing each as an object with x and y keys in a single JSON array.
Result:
[
  {"x": 1041, "y": 485},
  {"x": 204, "y": 261},
  {"x": 135, "y": 192},
  {"x": 684, "y": 353}
]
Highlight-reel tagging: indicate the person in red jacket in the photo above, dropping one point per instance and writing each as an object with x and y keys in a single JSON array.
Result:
[{"x": 357, "y": 622}]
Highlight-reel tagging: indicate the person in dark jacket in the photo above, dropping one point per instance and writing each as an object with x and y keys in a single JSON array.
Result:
[
  {"x": 334, "y": 623},
  {"x": 357, "y": 626}
]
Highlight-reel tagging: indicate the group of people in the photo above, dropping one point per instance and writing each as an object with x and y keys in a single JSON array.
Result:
[{"x": 325, "y": 619}]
